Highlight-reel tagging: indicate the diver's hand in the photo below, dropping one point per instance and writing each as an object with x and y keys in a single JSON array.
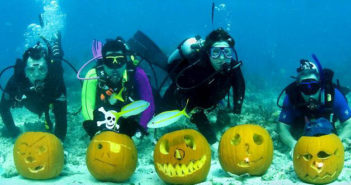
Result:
[
  {"x": 14, "y": 132},
  {"x": 237, "y": 110},
  {"x": 291, "y": 154},
  {"x": 292, "y": 147},
  {"x": 57, "y": 51}
]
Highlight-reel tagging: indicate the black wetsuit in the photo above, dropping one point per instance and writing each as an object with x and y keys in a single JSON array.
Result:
[
  {"x": 204, "y": 87},
  {"x": 19, "y": 92}
]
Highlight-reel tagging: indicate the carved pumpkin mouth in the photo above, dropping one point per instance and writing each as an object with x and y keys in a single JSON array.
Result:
[
  {"x": 247, "y": 162},
  {"x": 110, "y": 164},
  {"x": 37, "y": 169},
  {"x": 325, "y": 176},
  {"x": 181, "y": 170}
]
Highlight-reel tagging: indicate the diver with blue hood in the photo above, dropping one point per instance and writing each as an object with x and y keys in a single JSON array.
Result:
[
  {"x": 38, "y": 85},
  {"x": 202, "y": 73},
  {"x": 312, "y": 105}
]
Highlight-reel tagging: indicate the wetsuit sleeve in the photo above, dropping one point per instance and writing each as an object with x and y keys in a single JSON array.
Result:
[
  {"x": 60, "y": 112},
  {"x": 89, "y": 95},
  {"x": 238, "y": 84},
  {"x": 287, "y": 115},
  {"x": 144, "y": 91},
  {"x": 340, "y": 107},
  {"x": 8, "y": 100}
]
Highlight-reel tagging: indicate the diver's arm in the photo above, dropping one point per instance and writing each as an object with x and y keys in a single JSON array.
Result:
[
  {"x": 57, "y": 51},
  {"x": 285, "y": 135},
  {"x": 238, "y": 84},
  {"x": 346, "y": 131},
  {"x": 60, "y": 112},
  {"x": 145, "y": 93},
  {"x": 7, "y": 101}
]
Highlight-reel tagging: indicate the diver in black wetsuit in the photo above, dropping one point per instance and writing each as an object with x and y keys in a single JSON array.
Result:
[
  {"x": 38, "y": 85},
  {"x": 203, "y": 73}
]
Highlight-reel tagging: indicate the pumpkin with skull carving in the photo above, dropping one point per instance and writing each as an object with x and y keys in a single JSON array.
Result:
[
  {"x": 111, "y": 157},
  {"x": 246, "y": 149},
  {"x": 38, "y": 155},
  {"x": 318, "y": 159},
  {"x": 182, "y": 157}
]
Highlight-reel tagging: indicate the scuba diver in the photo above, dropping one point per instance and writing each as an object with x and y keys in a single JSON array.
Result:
[
  {"x": 114, "y": 82},
  {"x": 38, "y": 85},
  {"x": 203, "y": 71},
  {"x": 312, "y": 105}
]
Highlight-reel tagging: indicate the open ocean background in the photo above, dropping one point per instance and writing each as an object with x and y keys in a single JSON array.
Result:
[{"x": 271, "y": 37}]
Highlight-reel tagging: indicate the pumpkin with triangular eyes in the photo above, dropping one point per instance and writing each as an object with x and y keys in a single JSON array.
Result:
[
  {"x": 318, "y": 159},
  {"x": 246, "y": 148},
  {"x": 182, "y": 157},
  {"x": 38, "y": 155},
  {"x": 111, "y": 157}
]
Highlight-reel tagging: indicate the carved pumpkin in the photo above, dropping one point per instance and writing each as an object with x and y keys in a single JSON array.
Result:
[
  {"x": 246, "y": 149},
  {"x": 38, "y": 155},
  {"x": 111, "y": 157},
  {"x": 182, "y": 157},
  {"x": 318, "y": 160}
]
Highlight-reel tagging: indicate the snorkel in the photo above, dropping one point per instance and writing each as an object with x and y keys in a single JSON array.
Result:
[
  {"x": 320, "y": 69},
  {"x": 96, "y": 50}
]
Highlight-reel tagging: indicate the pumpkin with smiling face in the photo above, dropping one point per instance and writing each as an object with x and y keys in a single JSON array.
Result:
[
  {"x": 246, "y": 149},
  {"x": 318, "y": 159},
  {"x": 182, "y": 157},
  {"x": 38, "y": 155},
  {"x": 111, "y": 157}
]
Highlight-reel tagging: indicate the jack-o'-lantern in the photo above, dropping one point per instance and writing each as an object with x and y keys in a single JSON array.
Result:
[
  {"x": 182, "y": 157},
  {"x": 38, "y": 155},
  {"x": 318, "y": 159},
  {"x": 111, "y": 157},
  {"x": 246, "y": 149}
]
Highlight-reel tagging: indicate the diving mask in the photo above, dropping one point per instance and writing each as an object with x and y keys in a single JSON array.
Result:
[
  {"x": 309, "y": 87},
  {"x": 216, "y": 52},
  {"x": 115, "y": 61},
  {"x": 36, "y": 70}
]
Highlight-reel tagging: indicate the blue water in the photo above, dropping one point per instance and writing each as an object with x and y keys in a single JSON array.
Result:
[{"x": 271, "y": 35}]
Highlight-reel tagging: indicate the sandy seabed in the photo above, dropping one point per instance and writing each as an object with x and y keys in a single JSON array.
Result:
[{"x": 256, "y": 109}]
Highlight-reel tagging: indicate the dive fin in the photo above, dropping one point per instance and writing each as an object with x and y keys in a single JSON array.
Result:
[{"x": 143, "y": 46}]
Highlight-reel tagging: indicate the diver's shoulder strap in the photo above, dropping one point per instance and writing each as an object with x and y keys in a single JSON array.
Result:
[{"x": 329, "y": 91}]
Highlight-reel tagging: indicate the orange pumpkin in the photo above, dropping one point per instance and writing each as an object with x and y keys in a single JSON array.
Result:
[
  {"x": 111, "y": 157},
  {"x": 182, "y": 157},
  {"x": 318, "y": 159},
  {"x": 38, "y": 155},
  {"x": 246, "y": 149}
]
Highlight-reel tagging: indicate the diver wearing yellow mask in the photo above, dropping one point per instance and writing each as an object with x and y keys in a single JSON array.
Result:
[{"x": 114, "y": 82}]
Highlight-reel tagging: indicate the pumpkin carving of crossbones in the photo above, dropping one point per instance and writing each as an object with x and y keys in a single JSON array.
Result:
[{"x": 110, "y": 119}]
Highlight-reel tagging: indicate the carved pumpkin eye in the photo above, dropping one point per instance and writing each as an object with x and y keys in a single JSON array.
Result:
[
  {"x": 42, "y": 149},
  {"x": 164, "y": 147},
  {"x": 236, "y": 140},
  {"x": 189, "y": 142},
  {"x": 99, "y": 146},
  {"x": 307, "y": 157},
  {"x": 258, "y": 139},
  {"x": 323, "y": 155}
]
